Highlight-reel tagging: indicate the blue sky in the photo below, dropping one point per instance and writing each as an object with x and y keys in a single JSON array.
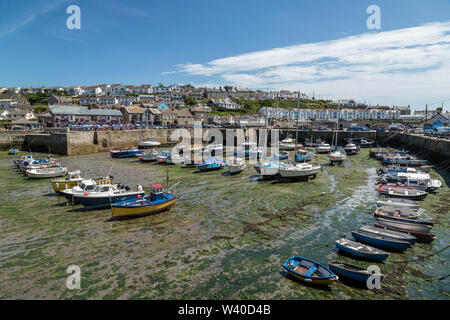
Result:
[{"x": 321, "y": 46}]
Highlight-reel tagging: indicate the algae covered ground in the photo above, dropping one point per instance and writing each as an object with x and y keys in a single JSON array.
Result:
[{"x": 226, "y": 237}]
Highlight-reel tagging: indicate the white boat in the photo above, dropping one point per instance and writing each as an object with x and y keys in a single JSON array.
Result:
[
  {"x": 235, "y": 165},
  {"x": 337, "y": 156},
  {"x": 298, "y": 170},
  {"x": 269, "y": 169},
  {"x": 150, "y": 156},
  {"x": 323, "y": 148},
  {"x": 85, "y": 186},
  {"x": 44, "y": 173},
  {"x": 351, "y": 148},
  {"x": 398, "y": 203},
  {"x": 149, "y": 143},
  {"x": 420, "y": 181},
  {"x": 287, "y": 144}
]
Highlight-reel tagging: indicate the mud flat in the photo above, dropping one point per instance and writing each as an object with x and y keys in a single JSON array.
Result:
[{"x": 226, "y": 237}]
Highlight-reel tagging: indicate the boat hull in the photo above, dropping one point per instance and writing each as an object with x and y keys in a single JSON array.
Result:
[
  {"x": 360, "y": 254},
  {"x": 292, "y": 174},
  {"x": 381, "y": 242},
  {"x": 124, "y": 212},
  {"x": 420, "y": 237},
  {"x": 104, "y": 202},
  {"x": 403, "y": 225},
  {"x": 350, "y": 272},
  {"x": 328, "y": 276}
]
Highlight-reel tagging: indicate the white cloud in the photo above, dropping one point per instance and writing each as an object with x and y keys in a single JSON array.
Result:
[{"x": 405, "y": 66}]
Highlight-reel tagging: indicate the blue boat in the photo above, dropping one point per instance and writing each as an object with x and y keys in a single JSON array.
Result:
[
  {"x": 283, "y": 155},
  {"x": 104, "y": 195},
  {"x": 309, "y": 271},
  {"x": 211, "y": 164},
  {"x": 13, "y": 151},
  {"x": 130, "y": 153},
  {"x": 348, "y": 271},
  {"x": 242, "y": 153},
  {"x": 380, "y": 241},
  {"x": 361, "y": 251},
  {"x": 303, "y": 156}
]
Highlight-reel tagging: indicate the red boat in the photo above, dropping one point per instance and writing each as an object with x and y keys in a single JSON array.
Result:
[
  {"x": 421, "y": 237},
  {"x": 393, "y": 190}
]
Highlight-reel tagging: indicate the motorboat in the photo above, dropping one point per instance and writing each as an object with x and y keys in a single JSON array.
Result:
[
  {"x": 149, "y": 156},
  {"x": 13, "y": 151},
  {"x": 299, "y": 170},
  {"x": 149, "y": 143},
  {"x": 235, "y": 165},
  {"x": 323, "y": 148},
  {"x": 211, "y": 164},
  {"x": 351, "y": 148},
  {"x": 86, "y": 185},
  {"x": 419, "y": 181},
  {"x": 304, "y": 156},
  {"x": 337, "y": 156},
  {"x": 103, "y": 196},
  {"x": 309, "y": 271},
  {"x": 393, "y": 190},
  {"x": 269, "y": 168},
  {"x": 72, "y": 179},
  {"x": 128, "y": 153},
  {"x": 45, "y": 173},
  {"x": 366, "y": 143},
  {"x": 157, "y": 201},
  {"x": 287, "y": 144},
  {"x": 282, "y": 155}
]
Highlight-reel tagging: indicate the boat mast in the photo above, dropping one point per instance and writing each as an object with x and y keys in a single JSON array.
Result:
[
  {"x": 337, "y": 125},
  {"x": 298, "y": 116}
]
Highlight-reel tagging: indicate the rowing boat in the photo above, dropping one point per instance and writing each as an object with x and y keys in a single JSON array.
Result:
[
  {"x": 351, "y": 272},
  {"x": 380, "y": 241},
  {"x": 361, "y": 250},
  {"x": 309, "y": 271}
]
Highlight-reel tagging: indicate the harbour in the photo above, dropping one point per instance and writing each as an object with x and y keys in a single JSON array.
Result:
[{"x": 226, "y": 237}]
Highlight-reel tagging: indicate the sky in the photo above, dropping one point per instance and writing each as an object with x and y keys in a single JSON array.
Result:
[{"x": 321, "y": 47}]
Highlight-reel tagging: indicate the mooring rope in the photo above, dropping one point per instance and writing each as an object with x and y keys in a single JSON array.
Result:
[{"x": 423, "y": 257}]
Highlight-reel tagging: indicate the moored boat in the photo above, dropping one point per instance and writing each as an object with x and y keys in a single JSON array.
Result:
[
  {"x": 298, "y": 170},
  {"x": 104, "y": 195},
  {"x": 72, "y": 179},
  {"x": 391, "y": 234},
  {"x": 13, "y": 151},
  {"x": 393, "y": 190},
  {"x": 235, "y": 165},
  {"x": 398, "y": 203},
  {"x": 361, "y": 250},
  {"x": 128, "y": 153},
  {"x": 303, "y": 156},
  {"x": 45, "y": 173},
  {"x": 366, "y": 143},
  {"x": 211, "y": 164},
  {"x": 323, "y": 148},
  {"x": 149, "y": 143},
  {"x": 157, "y": 201},
  {"x": 287, "y": 144},
  {"x": 352, "y": 272},
  {"x": 351, "y": 149},
  {"x": 149, "y": 156},
  {"x": 380, "y": 241},
  {"x": 396, "y": 212},
  {"x": 420, "y": 236},
  {"x": 309, "y": 271},
  {"x": 422, "y": 228},
  {"x": 337, "y": 156}
]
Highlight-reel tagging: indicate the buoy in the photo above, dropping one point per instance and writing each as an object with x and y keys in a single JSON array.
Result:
[
  {"x": 85, "y": 194},
  {"x": 139, "y": 196}
]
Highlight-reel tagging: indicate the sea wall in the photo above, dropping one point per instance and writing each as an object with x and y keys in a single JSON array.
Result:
[{"x": 11, "y": 139}]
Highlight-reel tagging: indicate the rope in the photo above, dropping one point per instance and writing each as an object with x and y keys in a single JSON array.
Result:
[{"x": 423, "y": 257}]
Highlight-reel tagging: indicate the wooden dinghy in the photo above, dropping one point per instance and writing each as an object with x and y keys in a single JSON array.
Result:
[
  {"x": 348, "y": 271},
  {"x": 420, "y": 222},
  {"x": 380, "y": 241},
  {"x": 309, "y": 271},
  {"x": 392, "y": 234},
  {"x": 394, "y": 190},
  {"x": 398, "y": 203},
  {"x": 422, "y": 228},
  {"x": 361, "y": 250},
  {"x": 421, "y": 237},
  {"x": 396, "y": 212}
]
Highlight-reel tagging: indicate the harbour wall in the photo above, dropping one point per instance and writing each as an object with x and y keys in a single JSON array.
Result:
[{"x": 11, "y": 139}]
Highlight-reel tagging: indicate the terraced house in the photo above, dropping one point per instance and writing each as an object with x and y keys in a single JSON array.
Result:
[{"x": 62, "y": 116}]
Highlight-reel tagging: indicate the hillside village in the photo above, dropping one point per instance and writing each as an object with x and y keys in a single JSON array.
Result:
[{"x": 117, "y": 105}]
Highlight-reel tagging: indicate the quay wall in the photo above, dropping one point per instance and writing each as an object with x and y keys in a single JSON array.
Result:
[{"x": 11, "y": 139}]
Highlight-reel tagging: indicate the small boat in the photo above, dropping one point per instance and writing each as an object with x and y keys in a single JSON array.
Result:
[
  {"x": 149, "y": 143},
  {"x": 73, "y": 178},
  {"x": 380, "y": 241},
  {"x": 393, "y": 190},
  {"x": 142, "y": 206},
  {"x": 163, "y": 156},
  {"x": 348, "y": 271},
  {"x": 303, "y": 156},
  {"x": 337, "y": 156},
  {"x": 291, "y": 171},
  {"x": 104, "y": 195},
  {"x": 420, "y": 181},
  {"x": 422, "y": 228},
  {"x": 235, "y": 165},
  {"x": 391, "y": 234},
  {"x": 211, "y": 164},
  {"x": 309, "y": 271},
  {"x": 395, "y": 212},
  {"x": 323, "y": 148},
  {"x": 361, "y": 250},
  {"x": 13, "y": 151},
  {"x": 366, "y": 143},
  {"x": 398, "y": 203},
  {"x": 150, "y": 156},
  {"x": 420, "y": 236},
  {"x": 44, "y": 173},
  {"x": 269, "y": 169},
  {"x": 427, "y": 223},
  {"x": 351, "y": 149},
  {"x": 129, "y": 153},
  {"x": 85, "y": 186},
  {"x": 282, "y": 155},
  {"x": 287, "y": 144}
]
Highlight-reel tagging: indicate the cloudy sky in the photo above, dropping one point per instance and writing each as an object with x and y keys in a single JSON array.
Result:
[{"x": 319, "y": 46}]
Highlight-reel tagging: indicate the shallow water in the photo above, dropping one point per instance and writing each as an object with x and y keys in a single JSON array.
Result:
[{"x": 226, "y": 237}]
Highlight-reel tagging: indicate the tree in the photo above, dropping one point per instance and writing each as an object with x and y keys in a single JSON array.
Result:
[{"x": 190, "y": 101}]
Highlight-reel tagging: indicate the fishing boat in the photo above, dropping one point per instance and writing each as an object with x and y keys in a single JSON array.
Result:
[
  {"x": 398, "y": 203},
  {"x": 351, "y": 272},
  {"x": 149, "y": 156},
  {"x": 393, "y": 190},
  {"x": 149, "y": 143},
  {"x": 337, "y": 156},
  {"x": 366, "y": 143},
  {"x": 396, "y": 212},
  {"x": 45, "y": 173},
  {"x": 351, "y": 148},
  {"x": 420, "y": 236},
  {"x": 419, "y": 181},
  {"x": 211, "y": 164},
  {"x": 84, "y": 186},
  {"x": 235, "y": 165},
  {"x": 163, "y": 156},
  {"x": 422, "y": 228},
  {"x": 104, "y": 195},
  {"x": 287, "y": 144},
  {"x": 361, "y": 250},
  {"x": 304, "y": 156},
  {"x": 72, "y": 179},
  {"x": 323, "y": 148},
  {"x": 157, "y": 201},
  {"x": 18, "y": 162},
  {"x": 309, "y": 271},
  {"x": 293, "y": 171},
  {"x": 395, "y": 168},
  {"x": 268, "y": 169},
  {"x": 13, "y": 151},
  {"x": 380, "y": 241},
  {"x": 129, "y": 153},
  {"x": 390, "y": 234},
  {"x": 405, "y": 161}
]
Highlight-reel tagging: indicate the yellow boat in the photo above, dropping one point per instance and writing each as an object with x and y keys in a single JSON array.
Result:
[
  {"x": 73, "y": 179},
  {"x": 157, "y": 201}
]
